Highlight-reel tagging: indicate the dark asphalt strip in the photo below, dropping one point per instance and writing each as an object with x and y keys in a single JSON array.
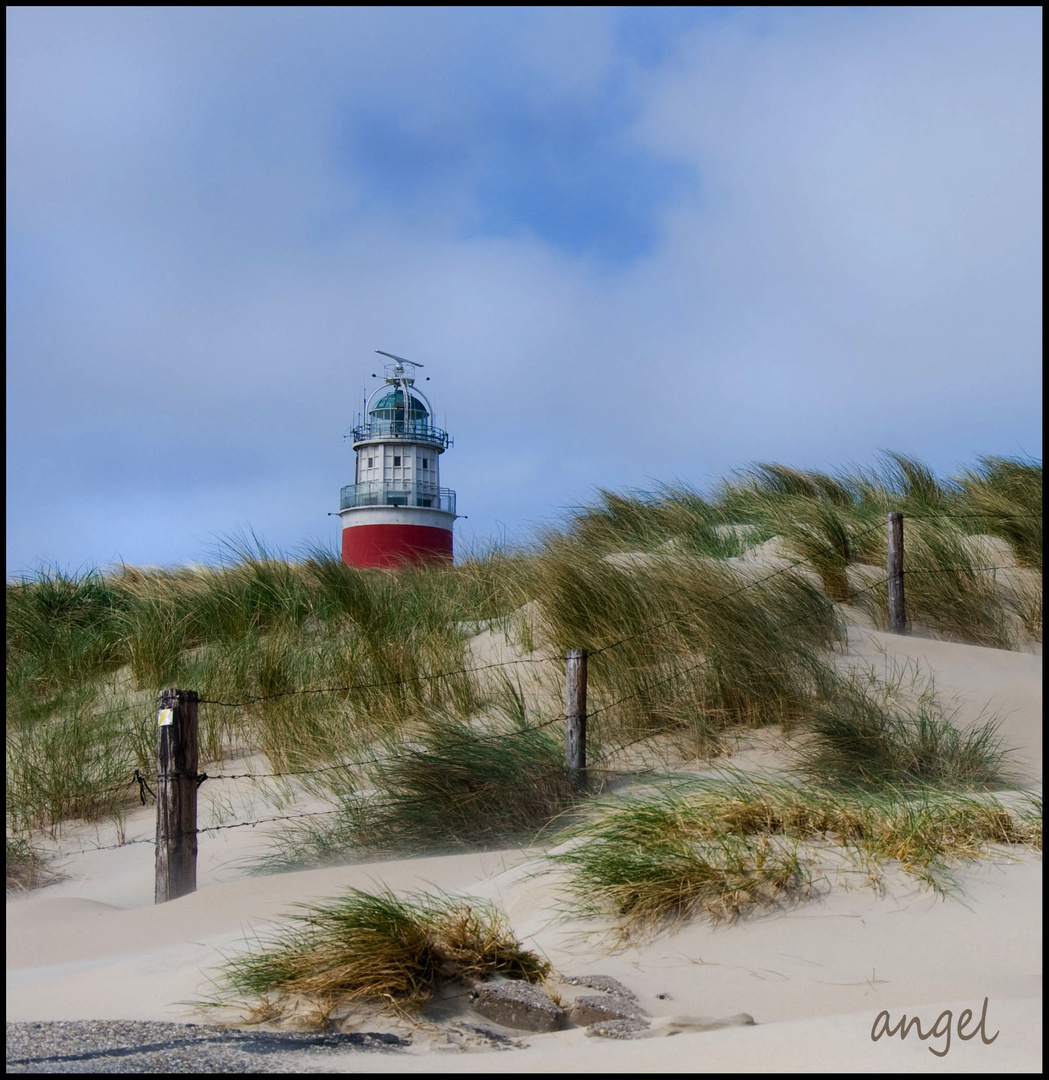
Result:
[{"x": 127, "y": 1046}]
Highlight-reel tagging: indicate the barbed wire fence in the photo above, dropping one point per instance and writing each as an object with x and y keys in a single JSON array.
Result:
[{"x": 177, "y": 778}]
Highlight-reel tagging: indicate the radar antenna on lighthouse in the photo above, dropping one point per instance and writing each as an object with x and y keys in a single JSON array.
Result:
[{"x": 399, "y": 359}]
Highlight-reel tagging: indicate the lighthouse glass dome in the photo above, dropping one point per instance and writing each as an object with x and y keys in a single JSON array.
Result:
[
  {"x": 390, "y": 409},
  {"x": 389, "y": 417}
]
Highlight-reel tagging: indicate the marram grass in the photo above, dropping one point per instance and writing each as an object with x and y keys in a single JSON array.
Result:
[
  {"x": 739, "y": 842},
  {"x": 27, "y": 868},
  {"x": 674, "y": 639},
  {"x": 949, "y": 590},
  {"x": 456, "y": 784},
  {"x": 674, "y": 878},
  {"x": 449, "y": 785},
  {"x": 867, "y": 733},
  {"x": 79, "y": 765},
  {"x": 689, "y": 641},
  {"x": 378, "y": 949},
  {"x": 1004, "y": 497}
]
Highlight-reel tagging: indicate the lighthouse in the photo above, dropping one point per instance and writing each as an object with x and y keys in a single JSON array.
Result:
[{"x": 396, "y": 511}]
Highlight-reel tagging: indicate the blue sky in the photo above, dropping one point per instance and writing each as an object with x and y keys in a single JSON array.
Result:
[{"x": 629, "y": 245}]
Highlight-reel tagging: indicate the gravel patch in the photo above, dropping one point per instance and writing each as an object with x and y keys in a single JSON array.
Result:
[
  {"x": 132, "y": 1046},
  {"x": 600, "y": 982},
  {"x": 618, "y": 1029}
]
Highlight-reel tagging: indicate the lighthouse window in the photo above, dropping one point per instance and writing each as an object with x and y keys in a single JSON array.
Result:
[
  {"x": 371, "y": 462},
  {"x": 396, "y": 460},
  {"x": 426, "y": 463}
]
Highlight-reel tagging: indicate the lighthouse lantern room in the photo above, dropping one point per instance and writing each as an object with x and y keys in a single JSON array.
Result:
[{"x": 395, "y": 511}]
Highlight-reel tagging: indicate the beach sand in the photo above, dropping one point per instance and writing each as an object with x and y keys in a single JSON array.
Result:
[{"x": 814, "y": 976}]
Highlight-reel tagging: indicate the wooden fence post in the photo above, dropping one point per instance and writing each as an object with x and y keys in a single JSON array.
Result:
[
  {"x": 575, "y": 712},
  {"x": 176, "y": 794},
  {"x": 897, "y": 606}
]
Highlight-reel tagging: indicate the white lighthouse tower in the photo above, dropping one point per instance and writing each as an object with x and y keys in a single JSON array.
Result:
[{"x": 395, "y": 511}]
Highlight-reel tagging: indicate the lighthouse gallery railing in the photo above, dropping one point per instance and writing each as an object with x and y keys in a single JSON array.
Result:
[
  {"x": 396, "y": 493},
  {"x": 410, "y": 431}
]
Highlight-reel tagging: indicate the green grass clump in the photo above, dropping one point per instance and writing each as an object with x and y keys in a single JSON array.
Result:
[
  {"x": 864, "y": 733},
  {"x": 456, "y": 784},
  {"x": 75, "y": 766},
  {"x": 739, "y": 842},
  {"x": 676, "y": 643},
  {"x": 1004, "y": 495},
  {"x": 26, "y": 867},
  {"x": 949, "y": 590},
  {"x": 68, "y": 628},
  {"x": 378, "y": 948},
  {"x": 653, "y": 864},
  {"x": 451, "y": 785}
]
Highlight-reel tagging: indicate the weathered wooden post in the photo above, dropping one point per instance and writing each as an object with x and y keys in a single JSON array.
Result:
[
  {"x": 575, "y": 712},
  {"x": 897, "y": 606},
  {"x": 176, "y": 794}
]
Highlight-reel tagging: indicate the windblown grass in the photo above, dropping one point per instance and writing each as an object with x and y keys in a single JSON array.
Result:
[
  {"x": 75, "y": 766},
  {"x": 834, "y": 521},
  {"x": 673, "y": 515},
  {"x": 322, "y": 660},
  {"x": 1004, "y": 497},
  {"x": 918, "y": 825},
  {"x": 670, "y": 879},
  {"x": 377, "y": 948},
  {"x": 450, "y": 785},
  {"x": 864, "y": 733},
  {"x": 820, "y": 534},
  {"x": 675, "y": 642},
  {"x": 26, "y": 867},
  {"x": 740, "y": 842},
  {"x": 949, "y": 590},
  {"x": 64, "y": 629},
  {"x": 318, "y": 658},
  {"x": 456, "y": 785}
]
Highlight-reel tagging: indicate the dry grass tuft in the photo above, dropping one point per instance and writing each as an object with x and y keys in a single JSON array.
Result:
[
  {"x": 740, "y": 842},
  {"x": 26, "y": 867},
  {"x": 376, "y": 948}
]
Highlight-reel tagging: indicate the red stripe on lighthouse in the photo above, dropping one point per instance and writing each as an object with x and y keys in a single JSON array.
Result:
[{"x": 369, "y": 546}]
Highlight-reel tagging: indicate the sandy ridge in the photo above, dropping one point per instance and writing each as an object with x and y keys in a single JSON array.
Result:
[{"x": 814, "y": 977}]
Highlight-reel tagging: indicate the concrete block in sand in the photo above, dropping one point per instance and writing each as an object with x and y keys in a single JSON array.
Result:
[
  {"x": 597, "y": 1008},
  {"x": 517, "y": 1005}
]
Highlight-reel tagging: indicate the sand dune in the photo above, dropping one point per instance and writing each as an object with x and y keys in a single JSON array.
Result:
[{"x": 814, "y": 976}]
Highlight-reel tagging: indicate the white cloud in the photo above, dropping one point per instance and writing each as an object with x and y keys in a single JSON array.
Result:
[{"x": 858, "y": 265}]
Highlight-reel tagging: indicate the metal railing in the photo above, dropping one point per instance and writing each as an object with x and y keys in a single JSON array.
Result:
[
  {"x": 397, "y": 493},
  {"x": 409, "y": 430}
]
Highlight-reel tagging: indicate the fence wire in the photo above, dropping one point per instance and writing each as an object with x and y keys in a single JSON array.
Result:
[{"x": 596, "y": 762}]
